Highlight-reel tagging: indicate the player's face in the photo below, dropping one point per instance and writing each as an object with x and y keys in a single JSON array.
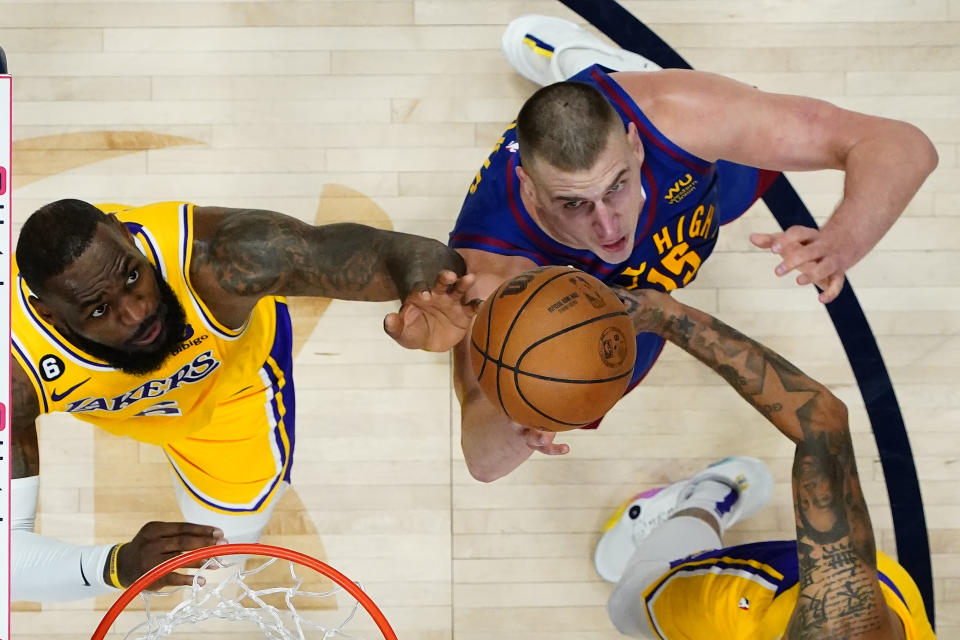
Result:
[
  {"x": 597, "y": 208},
  {"x": 113, "y": 304},
  {"x": 815, "y": 495}
]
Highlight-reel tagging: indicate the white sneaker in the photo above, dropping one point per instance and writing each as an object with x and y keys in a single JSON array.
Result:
[
  {"x": 751, "y": 486},
  {"x": 545, "y": 50},
  {"x": 630, "y": 524}
]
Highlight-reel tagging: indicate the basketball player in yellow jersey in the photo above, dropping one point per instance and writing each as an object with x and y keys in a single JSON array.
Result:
[
  {"x": 166, "y": 323},
  {"x": 663, "y": 548}
]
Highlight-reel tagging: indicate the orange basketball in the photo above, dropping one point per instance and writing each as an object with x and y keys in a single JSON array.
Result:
[{"x": 554, "y": 348}]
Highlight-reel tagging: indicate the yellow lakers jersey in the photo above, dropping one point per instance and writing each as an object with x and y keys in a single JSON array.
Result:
[{"x": 214, "y": 364}]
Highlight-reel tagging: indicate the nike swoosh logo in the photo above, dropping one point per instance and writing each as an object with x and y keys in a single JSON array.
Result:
[
  {"x": 86, "y": 582},
  {"x": 57, "y": 397}
]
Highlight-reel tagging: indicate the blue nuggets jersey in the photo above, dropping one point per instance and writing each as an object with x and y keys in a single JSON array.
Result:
[{"x": 688, "y": 199}]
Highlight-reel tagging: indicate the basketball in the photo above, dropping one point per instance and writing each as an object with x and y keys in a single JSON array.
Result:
[{"x": 554, "y": 348}]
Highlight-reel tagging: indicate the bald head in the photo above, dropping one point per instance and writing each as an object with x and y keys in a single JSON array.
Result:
[{"x": 53, "y": 237}]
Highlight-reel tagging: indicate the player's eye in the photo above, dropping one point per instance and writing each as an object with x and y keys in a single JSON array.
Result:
[
  {"x": 572, "y": 204},
  {"x": 617, "y": 187},
  {"x": 133, "y": 276},
  {"x": 99, "y": 311}
]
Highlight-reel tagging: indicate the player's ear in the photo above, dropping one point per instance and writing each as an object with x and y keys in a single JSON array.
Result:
[
  {"x": 526, "y": 182},
  {"x": 633, "y": 140},
  {"x": 114, "y": 223},
  {"x": 42, "y": 310}
]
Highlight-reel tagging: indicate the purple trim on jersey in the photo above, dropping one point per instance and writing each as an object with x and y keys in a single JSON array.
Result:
[
  {"x": 282, "y": 354},
  {"x": 885, "y": 579},
  {"x": 627, "y": 105},
  {"x": 653, "y": 197},
  {"x": 136, "y": 229},
  {"x": 185, "y": 239}
]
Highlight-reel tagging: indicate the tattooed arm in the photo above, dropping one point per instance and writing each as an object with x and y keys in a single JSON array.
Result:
[
  {"x": 242, "y": 255},
  {"x": 24, "y": 450},
  {"x": 840, "y": 594}
]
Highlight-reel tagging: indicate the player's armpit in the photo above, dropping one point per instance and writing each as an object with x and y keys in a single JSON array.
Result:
[{"x": 24, "y": 450}]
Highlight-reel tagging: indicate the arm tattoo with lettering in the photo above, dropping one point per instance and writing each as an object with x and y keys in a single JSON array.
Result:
[{"x": 840, "y": 596}]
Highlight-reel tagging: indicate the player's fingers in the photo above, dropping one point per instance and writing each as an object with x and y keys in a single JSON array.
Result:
[
  {"x": 535, "y": 438},
  {"x": 798, "y": 256},
  {"x": 181, "y": 543},
  {"x": 800, "y": 234},
  {"x": 444, "y": 280},
  {"x": 554, "y": 449},
  {"x": 794, "y": 238},
  {"x": 174, "y": 529},
  {"x": 833, "y": 289},
  {"x": 763, "y": 240},
  {"x": 817, "y": 271},
  {"x": 174, "y": 579},
  {"x": 464, "y": 283},
  {"x": 419, "y": 289},
  {"x": 393, "y": 325}
]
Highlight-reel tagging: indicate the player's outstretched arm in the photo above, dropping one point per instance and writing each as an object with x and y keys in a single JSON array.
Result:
[
  {"x": 885, "y": 161},
  {"x": 773, "y": 386},
  {"x": 840, "y": 596},
  {"x": 241, "y": 255}
]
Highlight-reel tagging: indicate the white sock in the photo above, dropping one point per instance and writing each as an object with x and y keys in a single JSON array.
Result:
[
  {"x": 676, "y": 538},
  {"x": 716, "y": 498}
]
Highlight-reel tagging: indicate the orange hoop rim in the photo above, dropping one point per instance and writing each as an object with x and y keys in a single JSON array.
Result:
[{"x": 271, "y": 551}]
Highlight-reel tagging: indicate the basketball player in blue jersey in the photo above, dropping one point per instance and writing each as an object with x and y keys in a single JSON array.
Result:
[
  {"x": 629, "y": 175},
  {"x": 167, "y": 324},
  {"x": 663, "y": 548}
]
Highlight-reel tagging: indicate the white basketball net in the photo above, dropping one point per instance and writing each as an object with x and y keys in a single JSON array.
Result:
[{"x": 234, "y": 600}]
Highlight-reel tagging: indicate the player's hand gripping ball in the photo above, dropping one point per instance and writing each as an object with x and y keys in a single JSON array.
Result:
[{"x": 554, "y": 348}]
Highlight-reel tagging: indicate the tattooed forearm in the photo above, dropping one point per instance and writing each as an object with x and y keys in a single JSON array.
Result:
[
  {"x": 776, "y": 388},
  {"x": 839, "y": 594},
  {"x": 255, "y": 253}
]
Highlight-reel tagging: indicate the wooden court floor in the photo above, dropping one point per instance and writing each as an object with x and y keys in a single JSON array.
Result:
[{"x": 382, "y": 111}]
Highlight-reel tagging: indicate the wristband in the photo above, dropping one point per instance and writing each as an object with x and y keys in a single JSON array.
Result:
[{"x": 112, "y": 562}]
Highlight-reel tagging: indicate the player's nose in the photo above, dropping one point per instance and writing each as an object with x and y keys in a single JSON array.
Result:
[
  {"x": 134, "y": 309},
  {"x": 604, "y": 221}
]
